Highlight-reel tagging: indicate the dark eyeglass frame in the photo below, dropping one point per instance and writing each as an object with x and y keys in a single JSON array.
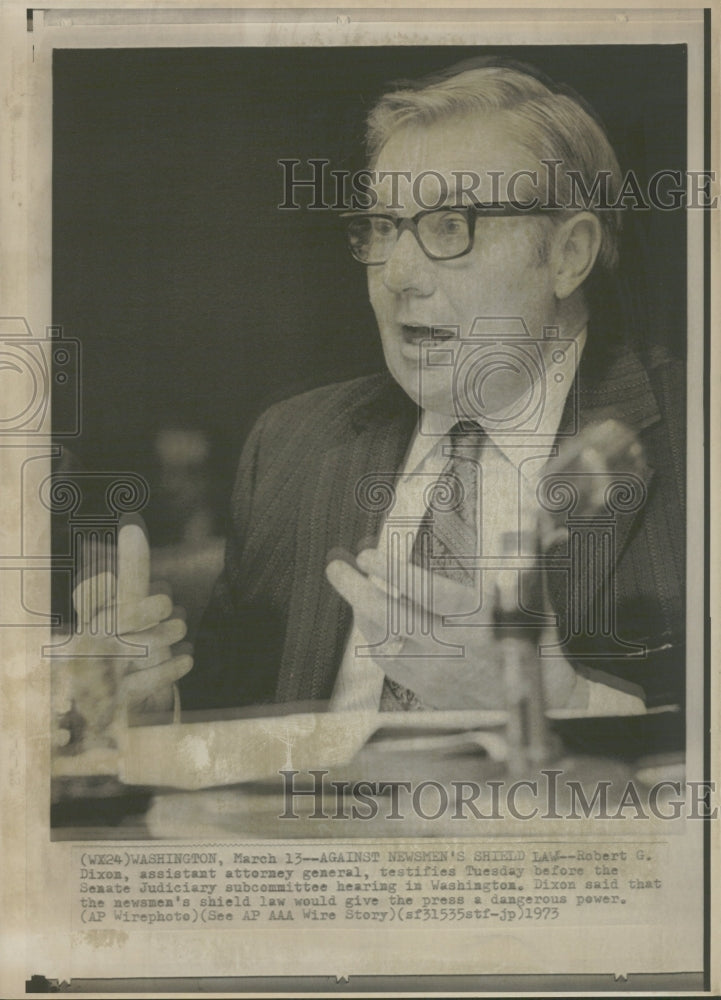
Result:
[{"x": 494, "y": 209}]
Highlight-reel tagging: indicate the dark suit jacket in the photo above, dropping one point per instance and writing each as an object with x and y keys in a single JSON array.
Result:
[{"x": 275, "y": 630}]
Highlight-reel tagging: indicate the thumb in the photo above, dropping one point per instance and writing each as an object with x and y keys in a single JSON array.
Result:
[{"x": 133, "y": 565}]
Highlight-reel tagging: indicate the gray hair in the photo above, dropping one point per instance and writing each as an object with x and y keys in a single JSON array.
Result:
[{"x": 551, "y": 121}]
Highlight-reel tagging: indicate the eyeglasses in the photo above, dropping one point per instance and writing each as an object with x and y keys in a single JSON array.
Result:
[{"x": 442, "y": 233}]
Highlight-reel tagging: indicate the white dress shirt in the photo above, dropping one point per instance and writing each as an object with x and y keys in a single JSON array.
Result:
[{"x": 511, "y": 466}]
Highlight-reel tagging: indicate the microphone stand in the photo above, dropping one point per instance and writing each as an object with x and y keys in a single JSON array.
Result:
[{"x": 530, "y": 744}]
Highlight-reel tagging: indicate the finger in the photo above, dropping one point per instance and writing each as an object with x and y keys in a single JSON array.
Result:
[
  {"x": 92, "y": 595},
  {"x": 62, "y": 703},
  {"x": 133, "y": 565},
  {"x": 612, "y": 435},
  {"x": 59, "y": 738},
  {"x": 154, "y": 643},
  {"x": 595, "y": 438},
  {"x": 365, "y": 597},
  {"x": 144, "y": 614},
  {"x": 374, "y": 565},
  {"x": 130, "y": 618},
  {"x": 140, "y": 685},
  {"x": 339, "y": 554},
  {"x": 373, "y": 561},
  {"x": 432, "y": 590},
  {"x": 606, "y": 445},
  {"x": 374, "y": 611}
]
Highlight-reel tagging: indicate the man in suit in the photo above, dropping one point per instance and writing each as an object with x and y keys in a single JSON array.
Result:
[
  {"x": 291, "y": 622},
  {"x": 465, "y": 264}
]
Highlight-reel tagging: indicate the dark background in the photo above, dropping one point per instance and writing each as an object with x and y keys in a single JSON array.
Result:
[{"x": 198, "y": 302}]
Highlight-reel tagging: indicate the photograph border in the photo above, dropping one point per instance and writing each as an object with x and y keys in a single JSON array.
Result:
[{"x": 19, "y": 746}]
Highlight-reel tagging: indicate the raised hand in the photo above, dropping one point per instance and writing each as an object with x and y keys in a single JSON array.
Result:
[
  {"x": 596, "y": 458},
  {"x": 470, "y": 680},
  {"x": 474, "y": 677},
  {"x": 95, "y": 690}
]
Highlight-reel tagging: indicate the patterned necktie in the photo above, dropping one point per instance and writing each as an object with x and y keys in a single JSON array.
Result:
[{"x": 449, "y": 531}]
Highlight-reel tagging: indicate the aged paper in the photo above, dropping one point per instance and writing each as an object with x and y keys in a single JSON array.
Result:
[{"x": 175, "y": 185}]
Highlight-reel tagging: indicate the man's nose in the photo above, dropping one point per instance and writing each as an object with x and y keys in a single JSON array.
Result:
[{"x": 408, "y": 269}]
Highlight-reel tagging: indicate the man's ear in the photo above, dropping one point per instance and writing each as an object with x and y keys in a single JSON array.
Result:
[{"x": 575, "y": 247}]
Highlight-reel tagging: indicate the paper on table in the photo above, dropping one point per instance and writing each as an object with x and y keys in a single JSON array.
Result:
[
  {"x": 222, "y": 752},
  {"x": 203, "y": 754}
]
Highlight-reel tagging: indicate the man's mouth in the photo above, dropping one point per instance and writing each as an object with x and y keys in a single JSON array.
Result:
[{"x": 414, "y": 333}]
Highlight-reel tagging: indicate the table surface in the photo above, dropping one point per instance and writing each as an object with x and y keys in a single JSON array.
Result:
[{"x": 105, "y": 809}]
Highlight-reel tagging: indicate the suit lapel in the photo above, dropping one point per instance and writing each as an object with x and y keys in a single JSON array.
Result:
[{"x": 373, "y": 439}]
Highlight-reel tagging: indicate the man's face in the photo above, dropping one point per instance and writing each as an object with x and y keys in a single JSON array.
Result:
[{"x": 503, "y": 275}]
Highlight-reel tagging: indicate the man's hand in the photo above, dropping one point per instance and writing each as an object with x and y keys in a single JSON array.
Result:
[
  {"x": 94, "y": 692},
  {"x": 593, "y": 460},
  {"x": 471, "y": 680},
  {"x": 475, "y": 679}
]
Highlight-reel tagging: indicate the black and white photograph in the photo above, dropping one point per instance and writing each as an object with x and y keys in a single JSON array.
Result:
[{"x": 356, "y": 432}]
